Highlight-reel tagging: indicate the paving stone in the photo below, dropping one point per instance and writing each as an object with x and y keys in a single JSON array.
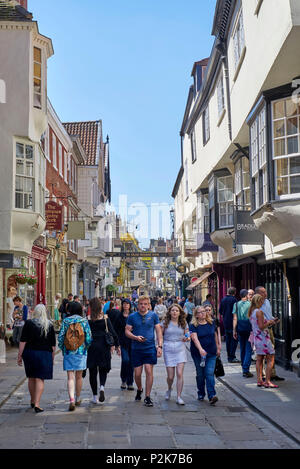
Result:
[
  {"x": 193, "y": 430},
  {"x": 242, "y": 435},
  {"x": 108, "y": 437},
  {"x": 199, "y": 441},
  {"x": 149, "y": 430},
  {"x": 162, "y": 442}
]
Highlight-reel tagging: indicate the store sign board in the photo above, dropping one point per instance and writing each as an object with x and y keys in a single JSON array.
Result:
[
  {"x": 105, "y": 263},
  {"x": 9, "y": 261},
  {"x": 246, "y": 231},
  {"x": 76, "y": 230},
  {"x": 54, "y": 216},
  {"x": 205, "y": 244}
]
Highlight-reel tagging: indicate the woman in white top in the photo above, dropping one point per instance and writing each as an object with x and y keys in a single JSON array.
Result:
[
  {"x": 160, "y": 309},
  {"x": 175, "y": 331}
]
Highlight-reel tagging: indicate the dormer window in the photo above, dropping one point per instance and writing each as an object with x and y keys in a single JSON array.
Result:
[{"x": 37, "y": 77}]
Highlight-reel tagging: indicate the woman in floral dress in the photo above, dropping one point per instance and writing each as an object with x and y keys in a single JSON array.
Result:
[{"x": 262, "y": 341}]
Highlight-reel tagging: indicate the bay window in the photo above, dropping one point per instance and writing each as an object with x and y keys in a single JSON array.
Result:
[
  {"x": 225, "y": 201},
  {"x": 37, "y": 77},
  {"x": 24, "y": 182},
  {"x": 286, "y": 152},
  {"x": 242, "y": 184},
  {"x": 258, "y": 155},
  {"x": 220, "y": 200}
]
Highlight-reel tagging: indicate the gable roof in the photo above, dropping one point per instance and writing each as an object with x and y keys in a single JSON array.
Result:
[
  {"x": 12, "y": 12},
  {"x": 90, "y": 135}
]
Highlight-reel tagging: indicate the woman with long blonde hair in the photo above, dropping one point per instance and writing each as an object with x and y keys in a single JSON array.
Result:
[
  {"x": 175, "y": 331},
  {"x": 204, "y": 350},
  {"x": 262, "y": 341},
  {"x": 37, "y": 350}
]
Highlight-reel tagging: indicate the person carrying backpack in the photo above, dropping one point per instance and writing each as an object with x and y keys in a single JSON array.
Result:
[
  {"x": 241, "y": 331},
  {"x": 74, "y": 339}
]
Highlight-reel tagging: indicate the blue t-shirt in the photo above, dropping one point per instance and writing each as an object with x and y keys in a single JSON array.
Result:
[
  {"x": 143, "y": 325},
  {"x": 106, "y": 307},
  {"x": 206, "y": 336}
]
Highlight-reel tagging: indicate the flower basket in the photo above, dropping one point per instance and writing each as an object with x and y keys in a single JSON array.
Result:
[
  {"x": 32, "y": 280},
  {"x": 22, "y": 279}
]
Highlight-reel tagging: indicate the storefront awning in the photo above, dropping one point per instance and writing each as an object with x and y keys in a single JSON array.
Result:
[{"x": 198, "y": 281}]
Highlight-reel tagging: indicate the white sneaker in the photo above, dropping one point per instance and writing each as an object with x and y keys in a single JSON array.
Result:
[
  {"x": 180, "y": 401},
  {"x": 168, "y": 395},
  {"x": 95, "y": 400}
]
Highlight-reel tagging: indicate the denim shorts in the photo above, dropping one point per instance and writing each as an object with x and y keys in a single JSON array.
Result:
[{"x": 143, "y": 357}]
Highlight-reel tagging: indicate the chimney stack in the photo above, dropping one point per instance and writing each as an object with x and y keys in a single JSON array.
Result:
[{"x": 23, "y": 3}]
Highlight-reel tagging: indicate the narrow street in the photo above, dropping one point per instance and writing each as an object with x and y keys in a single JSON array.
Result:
[{"x": 122, "y": 423}]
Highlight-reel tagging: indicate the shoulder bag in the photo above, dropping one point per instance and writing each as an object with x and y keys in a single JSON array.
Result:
[{"x": 109, "y": 340}]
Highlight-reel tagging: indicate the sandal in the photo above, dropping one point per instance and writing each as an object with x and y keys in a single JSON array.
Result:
[
  {"x": 271, "y": 386},
  {"x": 260, "y": 384}
]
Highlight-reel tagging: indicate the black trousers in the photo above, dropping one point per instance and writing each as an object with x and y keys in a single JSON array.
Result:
[{"x": 93, "y": 378}]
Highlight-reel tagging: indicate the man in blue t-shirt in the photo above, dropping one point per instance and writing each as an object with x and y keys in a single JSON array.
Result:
[{"x": 140, "y": 328}]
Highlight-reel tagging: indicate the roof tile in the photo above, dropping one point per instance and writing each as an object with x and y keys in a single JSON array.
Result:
[{"x": 88, "y": 132}]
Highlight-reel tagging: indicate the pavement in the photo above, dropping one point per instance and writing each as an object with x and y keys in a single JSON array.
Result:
[{"x": 240, "y": 419}]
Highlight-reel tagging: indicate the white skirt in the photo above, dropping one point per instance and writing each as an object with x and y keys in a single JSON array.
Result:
[{"x": 174, "y": 353}]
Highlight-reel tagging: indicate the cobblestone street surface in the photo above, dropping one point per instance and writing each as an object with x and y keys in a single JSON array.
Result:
[{"x": 122, "y": 423}]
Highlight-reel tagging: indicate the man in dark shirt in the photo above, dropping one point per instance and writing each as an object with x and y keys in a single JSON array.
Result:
[{"x": 226, "y": 307}]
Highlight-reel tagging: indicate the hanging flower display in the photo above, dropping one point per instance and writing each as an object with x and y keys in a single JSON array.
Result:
[
  {"x": 32, "y": 280},
  {"x": 21, "y": 278}
]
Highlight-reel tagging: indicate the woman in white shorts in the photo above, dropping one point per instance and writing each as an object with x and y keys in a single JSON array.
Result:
[{"x": 176, "y": 332}]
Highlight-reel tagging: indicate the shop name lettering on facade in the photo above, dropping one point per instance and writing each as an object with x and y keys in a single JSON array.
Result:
[
  {"x": 53, "y": 216},
  {"x": 246, "y": 227}
]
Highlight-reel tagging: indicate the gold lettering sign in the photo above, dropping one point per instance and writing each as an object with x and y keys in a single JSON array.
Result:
[{"x": 54, "y": 216}]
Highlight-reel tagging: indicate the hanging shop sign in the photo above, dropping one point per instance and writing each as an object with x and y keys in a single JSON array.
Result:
[
  {"x": 205, "y": 244},
  {"x": 181, "y": 269},
  {"x": 76, "y": 229},
  {"x": 246, "y": 231},
  {"x": 105, "y": 263},
  {"x": 54, "y": 216}
]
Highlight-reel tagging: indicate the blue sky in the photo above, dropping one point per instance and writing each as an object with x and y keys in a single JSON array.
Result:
[{"x": 128, "y": 62}]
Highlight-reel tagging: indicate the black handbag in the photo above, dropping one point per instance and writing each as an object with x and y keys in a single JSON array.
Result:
[
  {"x": 109, "y": 339},
  {"x": 219, "y": 369}
]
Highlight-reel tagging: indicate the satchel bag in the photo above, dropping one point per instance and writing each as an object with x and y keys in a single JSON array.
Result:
[
  {"x": 244, "y": 325},
  {"x": 109, "y": 340},
  {"x": 219, "y": 369}
]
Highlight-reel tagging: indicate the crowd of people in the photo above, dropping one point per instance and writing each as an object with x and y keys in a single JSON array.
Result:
[{"x": 140, "y": 330}]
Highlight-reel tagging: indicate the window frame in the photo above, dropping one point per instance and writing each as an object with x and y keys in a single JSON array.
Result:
[
  {"x": 259, "y": 162},
  {"x": 220, "y": 95},
  {"x": 239, "y": 43},
  {"x": 25, "y": 177},
  {"x": 39, "y": 78},
  {"x": 206, "y": 125},
  {"x": 193, "y": 146},
  {"x": 239, "y": 183},
  {"x": 287, "y": 156},
  {"x": 54, "y": 150}
]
